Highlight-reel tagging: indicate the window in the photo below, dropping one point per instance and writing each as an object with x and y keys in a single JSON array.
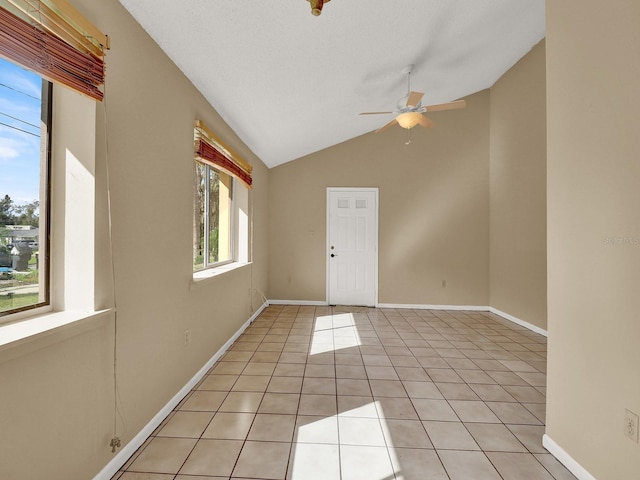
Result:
[
  {"x": 47, "y": 186},
  {"x": 213, "y": 226},
  {"x": 25, "y": 119},
  {"x": 220, "y": 215}
]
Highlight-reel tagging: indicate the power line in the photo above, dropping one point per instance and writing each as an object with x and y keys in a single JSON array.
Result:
[
  {"x": 21, "y": 121},
  {"x": 19, "y": 91},
  {"x": 20, "y": 130}
]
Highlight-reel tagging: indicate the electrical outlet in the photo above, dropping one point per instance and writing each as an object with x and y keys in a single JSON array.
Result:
[
  {"x": 187, "y": 337},
  {"x": 631, "y": 425}
]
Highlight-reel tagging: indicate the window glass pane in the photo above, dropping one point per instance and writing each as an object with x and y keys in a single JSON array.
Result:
[
  {"x": 214, "y": 202},
  {"x": 23, "y": 187},
  {"x": 212, "y": 225},
  {"x": 200, "y": 176}
]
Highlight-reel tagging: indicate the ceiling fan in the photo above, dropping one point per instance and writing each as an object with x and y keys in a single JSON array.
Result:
[{"x": 410, "y": 109}]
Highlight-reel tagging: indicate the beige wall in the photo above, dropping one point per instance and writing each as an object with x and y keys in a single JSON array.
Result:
[
  {"x": 57, "y": 392},
  {"x": 433, "y": 216},
  {"x": 518, "y": 245},
  {"x": 593, "y": 73},
  {"x": 443, "y": 216}
]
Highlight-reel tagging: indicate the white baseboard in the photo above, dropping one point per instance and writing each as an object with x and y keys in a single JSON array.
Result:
[
  {"x": 516, "y": 320},
  {"x": 567, "y": 460},
  {"x": 311, "y": 303},
  {"x": 473, "y": 308},
  {"x": 130, "y": 448}
]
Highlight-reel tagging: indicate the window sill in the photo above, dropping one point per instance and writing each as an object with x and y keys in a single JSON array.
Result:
[
  {"x": 203, "y": 275},
  {"x": 47, "y": 325}
]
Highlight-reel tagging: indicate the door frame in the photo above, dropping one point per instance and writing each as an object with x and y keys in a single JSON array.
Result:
[{"x": 376, "y": 192}]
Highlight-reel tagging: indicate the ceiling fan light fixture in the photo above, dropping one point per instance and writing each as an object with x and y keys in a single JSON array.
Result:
[
  {"x": 316, "y": 6},
  {"x": 408, "y": 119}
]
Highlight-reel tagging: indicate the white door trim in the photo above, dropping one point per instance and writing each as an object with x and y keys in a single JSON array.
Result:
[{"x": 375, "y": 191}]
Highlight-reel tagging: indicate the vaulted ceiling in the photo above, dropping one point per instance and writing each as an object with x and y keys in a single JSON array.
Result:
[{"x": 290, "y": 83}]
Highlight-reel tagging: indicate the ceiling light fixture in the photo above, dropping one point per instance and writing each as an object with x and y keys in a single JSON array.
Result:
[
  {"x": 316, "y": 6},
  {"x": 408, "y": 119}
]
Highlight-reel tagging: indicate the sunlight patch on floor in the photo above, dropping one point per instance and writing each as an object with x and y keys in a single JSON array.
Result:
[
  {"x": 334, "y": 332},
  {"x": 364, "y": 450}
]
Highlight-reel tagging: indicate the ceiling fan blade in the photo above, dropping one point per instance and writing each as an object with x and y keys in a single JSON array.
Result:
[
  {"x": 426, "y": 122},
  {"x": 414, "y": 98},
  {"x": 390, "y": 124},
  {"x": 373, "y": 113},
  {"x": 446, "y": 106}
]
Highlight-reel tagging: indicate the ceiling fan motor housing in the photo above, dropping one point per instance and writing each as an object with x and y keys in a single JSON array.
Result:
[{"x": 403, "y": 106}]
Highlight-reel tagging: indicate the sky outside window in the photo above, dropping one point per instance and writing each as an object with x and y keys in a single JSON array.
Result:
[{"x": 20, "y": 104}]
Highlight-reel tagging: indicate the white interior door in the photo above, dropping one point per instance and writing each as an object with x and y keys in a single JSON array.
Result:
[{"x": 352, "y": 246}]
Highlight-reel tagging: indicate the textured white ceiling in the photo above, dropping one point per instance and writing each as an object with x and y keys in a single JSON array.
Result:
[{"x": 290, "y": 84}]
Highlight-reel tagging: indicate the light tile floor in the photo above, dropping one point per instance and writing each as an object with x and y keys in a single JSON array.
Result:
[{"x": 339, "y": 393}]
